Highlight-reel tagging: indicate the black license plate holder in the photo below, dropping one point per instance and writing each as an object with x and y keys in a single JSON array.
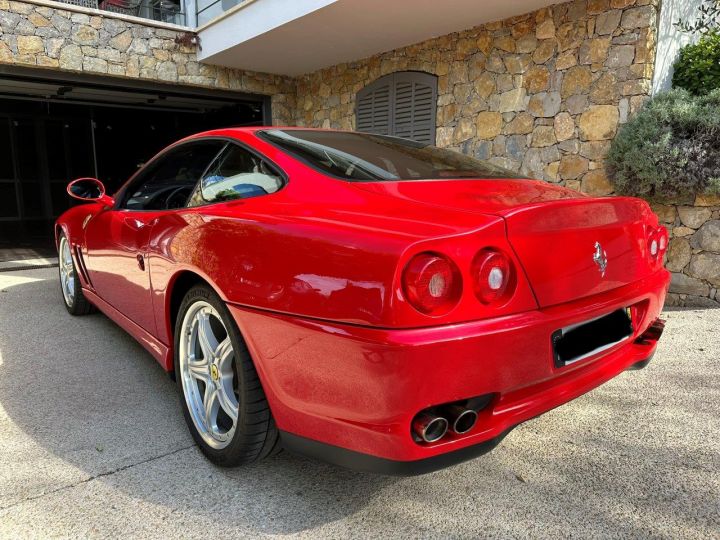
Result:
[{"x": 579, "y": 341}]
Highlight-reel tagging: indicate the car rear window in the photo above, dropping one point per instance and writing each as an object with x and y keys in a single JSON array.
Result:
[{"x": 364, "y": 157}]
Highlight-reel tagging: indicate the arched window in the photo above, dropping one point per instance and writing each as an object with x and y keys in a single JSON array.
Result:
[{"x": 401, "y": 104}]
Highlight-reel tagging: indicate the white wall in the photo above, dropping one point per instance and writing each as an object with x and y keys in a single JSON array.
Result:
[{"x": 670, "y": 39}]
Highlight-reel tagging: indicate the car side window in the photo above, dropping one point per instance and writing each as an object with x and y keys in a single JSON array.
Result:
[
  {"x": 236, "y": 174},
  {"x": 168, "y": 182}
]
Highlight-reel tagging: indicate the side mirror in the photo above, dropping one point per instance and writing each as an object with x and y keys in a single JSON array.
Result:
[{"x": 89, "y": 190}]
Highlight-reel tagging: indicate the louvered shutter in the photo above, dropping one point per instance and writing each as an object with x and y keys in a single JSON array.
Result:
[
  {"x": 373, "y": 110},
  {"x": 401, "y": 104}
]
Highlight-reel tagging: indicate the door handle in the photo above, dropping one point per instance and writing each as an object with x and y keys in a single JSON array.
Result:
[{"x": 141, "y": 262}]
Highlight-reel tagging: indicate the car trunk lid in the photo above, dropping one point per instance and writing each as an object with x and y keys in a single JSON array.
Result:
[{"x": 574, "y": 249}]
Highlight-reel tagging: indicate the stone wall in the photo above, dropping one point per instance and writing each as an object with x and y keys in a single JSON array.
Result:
[
  {"x": 694, "y": 252},
  {"x": 541, "y": 93},
  {"x": 47, "y": 37}
]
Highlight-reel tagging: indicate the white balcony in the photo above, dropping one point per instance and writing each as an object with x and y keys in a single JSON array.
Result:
[{"x": 295, "y": 37}]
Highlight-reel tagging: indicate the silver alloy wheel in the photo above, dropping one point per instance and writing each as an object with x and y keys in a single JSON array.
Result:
[
  {"x": 67, "y": 272},
  {"x": 207, "y": 370}
]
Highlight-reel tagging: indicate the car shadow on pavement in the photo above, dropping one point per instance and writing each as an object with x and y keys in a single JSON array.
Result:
[
  {"x": 81, "y": 402},
  {"x": 89, "y": 397}
]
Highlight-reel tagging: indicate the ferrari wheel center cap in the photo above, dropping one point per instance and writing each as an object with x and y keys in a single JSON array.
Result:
[{"x": 214, "y": 373}]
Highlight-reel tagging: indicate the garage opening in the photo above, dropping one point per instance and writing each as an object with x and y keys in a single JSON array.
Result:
[{"x": 54, "y": 128}]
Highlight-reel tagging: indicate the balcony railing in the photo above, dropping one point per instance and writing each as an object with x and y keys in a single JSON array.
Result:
[
  {"x": 169, "y": 11},
  {"x": 207, "y": 10}
]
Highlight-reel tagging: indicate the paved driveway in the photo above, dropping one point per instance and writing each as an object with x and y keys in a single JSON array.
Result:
[{"x": 92, "y": 443}]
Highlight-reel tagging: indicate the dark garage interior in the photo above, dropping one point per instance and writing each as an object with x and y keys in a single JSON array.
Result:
[{"x": 53, "y": 130}]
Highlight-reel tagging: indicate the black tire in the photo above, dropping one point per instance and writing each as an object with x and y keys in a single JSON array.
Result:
[
  {"x": 256, "y": 435},
  {"x": 78, "y": 305}
]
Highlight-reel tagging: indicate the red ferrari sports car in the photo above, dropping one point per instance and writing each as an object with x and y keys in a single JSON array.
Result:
[{"x": 368, "y": 300}]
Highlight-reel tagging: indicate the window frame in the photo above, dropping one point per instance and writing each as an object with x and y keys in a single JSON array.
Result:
[
  {"x": 136, "y": 180},
  {"x": 121, "y": 195}
]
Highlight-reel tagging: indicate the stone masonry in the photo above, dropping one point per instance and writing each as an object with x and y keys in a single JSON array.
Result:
[
  {"x": 542, "y": 93},
  {"x": 45, "y": 37},
  {"x": 694, "y": 252}
]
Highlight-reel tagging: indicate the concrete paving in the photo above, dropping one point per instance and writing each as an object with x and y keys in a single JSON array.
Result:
[
  {"x": 93, "y": 444},
  {"x": 25, "y": 258}
]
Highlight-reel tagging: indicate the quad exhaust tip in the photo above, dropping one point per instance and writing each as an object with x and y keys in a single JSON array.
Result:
[
  {"x": 459, "y": 417},
  {"x": 430, "y": 427},
  {"x": 462, "y": 419},
  {"x": 653, "y": 332}
]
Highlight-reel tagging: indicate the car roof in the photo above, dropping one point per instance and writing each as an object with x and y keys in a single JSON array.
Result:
[{"x": 252, "y": 129}]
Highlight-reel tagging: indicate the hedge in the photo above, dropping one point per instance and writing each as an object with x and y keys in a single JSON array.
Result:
[
  {"x": 670, "y": 150},
  {"x": 697, "y": 69}
]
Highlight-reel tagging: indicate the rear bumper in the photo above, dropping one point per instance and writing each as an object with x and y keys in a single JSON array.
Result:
[
  {"x": 348, "y": 394},
  {"x": 368, "y": 463}
]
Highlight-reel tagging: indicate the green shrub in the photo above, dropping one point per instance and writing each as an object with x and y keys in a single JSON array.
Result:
[
  {"x": 697, "y": 69},
  {"x": 670, "y": 150}
]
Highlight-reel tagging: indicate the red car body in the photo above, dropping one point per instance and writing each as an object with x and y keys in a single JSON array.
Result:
[{"x": 312, "y": 275}]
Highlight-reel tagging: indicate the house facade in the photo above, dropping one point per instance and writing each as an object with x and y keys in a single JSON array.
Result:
[{"x": 538, "y": 87}]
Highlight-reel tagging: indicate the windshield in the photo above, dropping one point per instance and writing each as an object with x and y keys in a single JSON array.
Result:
[{"x": 363, "y": 157}]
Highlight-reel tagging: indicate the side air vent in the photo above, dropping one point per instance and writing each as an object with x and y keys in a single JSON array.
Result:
[{"x": 81, "y": 266}]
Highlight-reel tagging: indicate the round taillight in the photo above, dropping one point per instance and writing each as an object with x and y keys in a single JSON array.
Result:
[
  {"x": 432, "y": 283},
  {"x": 493, "y": 275},
  {"x": 653, "y": 243},
  {"x": 662, "y": 238}
]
